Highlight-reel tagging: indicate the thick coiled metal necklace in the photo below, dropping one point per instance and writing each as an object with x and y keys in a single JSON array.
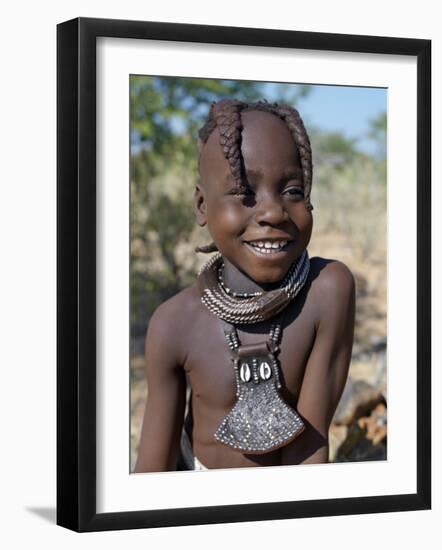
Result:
[{"x": 249, "y": 308}]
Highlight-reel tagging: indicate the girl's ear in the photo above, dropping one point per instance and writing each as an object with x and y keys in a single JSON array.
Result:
[{"x": 199, "y": 203}]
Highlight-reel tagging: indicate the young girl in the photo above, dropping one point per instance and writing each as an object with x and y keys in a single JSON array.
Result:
[{"x": 265, "y": 333}]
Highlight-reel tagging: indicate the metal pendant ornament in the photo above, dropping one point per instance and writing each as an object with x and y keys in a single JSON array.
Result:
[{"x": 260, "y": 420}]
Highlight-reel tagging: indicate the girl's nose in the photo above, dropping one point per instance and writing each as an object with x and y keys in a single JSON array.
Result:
[{"x": 270, "y": 210}]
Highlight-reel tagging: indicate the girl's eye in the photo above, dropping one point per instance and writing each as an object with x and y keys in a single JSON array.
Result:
[
  {"x": 242, "y": 191},
  {"x": 294, "y": 192}
]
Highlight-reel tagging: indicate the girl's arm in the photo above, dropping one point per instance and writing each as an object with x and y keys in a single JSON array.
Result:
[
  {"x": 327, "y": 367},
  {"x": 166, "y": 384}
]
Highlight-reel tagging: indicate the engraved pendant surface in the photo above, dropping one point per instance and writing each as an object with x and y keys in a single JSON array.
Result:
[{"x": 260, "y": 421}]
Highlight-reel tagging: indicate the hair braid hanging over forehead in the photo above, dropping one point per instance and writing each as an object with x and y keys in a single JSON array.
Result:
[{"x": 226, "y": 116}]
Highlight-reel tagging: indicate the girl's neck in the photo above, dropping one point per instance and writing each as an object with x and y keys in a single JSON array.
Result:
[{"x": 238, "y": 281}]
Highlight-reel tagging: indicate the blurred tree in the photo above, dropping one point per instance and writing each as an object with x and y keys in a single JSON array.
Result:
[
  {"x": 167, "y": 111},
  {"x": 378, "y": 134},
  {"x": 333, "y": 149}
]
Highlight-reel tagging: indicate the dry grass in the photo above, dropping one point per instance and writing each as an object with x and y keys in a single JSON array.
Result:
[{"x": 350, "y": 226}]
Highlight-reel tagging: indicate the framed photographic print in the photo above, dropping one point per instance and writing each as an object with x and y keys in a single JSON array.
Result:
[{"x": 139, "y": 104}]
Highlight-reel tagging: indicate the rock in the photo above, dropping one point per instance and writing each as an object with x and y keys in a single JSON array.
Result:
[
  {"x": 336, "y": 436},
  {"x": 358, "y": 399},
  {"x": 381, "y": 374},
  {"x": 366, "y": 438},
  {"x": 375, "y": 425}
]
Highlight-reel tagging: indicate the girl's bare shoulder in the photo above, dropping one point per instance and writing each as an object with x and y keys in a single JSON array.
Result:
[
  {"x": 176, "y": 311},
  {"x": 171, "y": 324},
  {"x": 332, "y": 282},
  {"x": 330, "y": 274}
]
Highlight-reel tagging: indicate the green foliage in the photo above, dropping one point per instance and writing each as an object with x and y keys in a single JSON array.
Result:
[
  {"x": 332, "y": 149},
  {"x": 378, "y": 134}
]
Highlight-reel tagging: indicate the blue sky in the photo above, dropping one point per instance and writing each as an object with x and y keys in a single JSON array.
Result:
[
  {"x": 344, "y": 109},
  {"x": 347, "y": 109}
]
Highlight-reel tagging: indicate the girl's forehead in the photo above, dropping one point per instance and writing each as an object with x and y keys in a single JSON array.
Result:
[
  {"x": 255, "y": 119},
  {"x": 264, "y": 133},
  {"x": 265, "y": 138}
]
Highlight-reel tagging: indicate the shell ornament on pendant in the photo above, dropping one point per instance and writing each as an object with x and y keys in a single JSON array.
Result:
[{"x": 260, "y": 420}]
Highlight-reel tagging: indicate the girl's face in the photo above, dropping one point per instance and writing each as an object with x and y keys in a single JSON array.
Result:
[{"x": 263, "y": 225}]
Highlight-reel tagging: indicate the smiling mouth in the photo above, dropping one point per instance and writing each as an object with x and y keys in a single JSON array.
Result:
[{"x": 268, "y": 248}]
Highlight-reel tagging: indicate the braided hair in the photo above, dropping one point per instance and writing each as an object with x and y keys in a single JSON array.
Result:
[{"x": 226, "y": 116}]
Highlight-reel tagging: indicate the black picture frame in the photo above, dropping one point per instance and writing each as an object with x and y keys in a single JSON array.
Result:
[{"x": 76, "y": 273}]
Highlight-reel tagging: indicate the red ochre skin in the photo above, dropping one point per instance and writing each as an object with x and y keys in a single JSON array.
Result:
[{"x": 183, "y": 337}]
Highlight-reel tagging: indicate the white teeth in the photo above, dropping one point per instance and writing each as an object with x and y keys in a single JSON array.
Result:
[{"x": 268, "y": 247}]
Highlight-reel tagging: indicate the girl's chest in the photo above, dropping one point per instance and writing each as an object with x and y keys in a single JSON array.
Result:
[{"x": 210, "y": 367}]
